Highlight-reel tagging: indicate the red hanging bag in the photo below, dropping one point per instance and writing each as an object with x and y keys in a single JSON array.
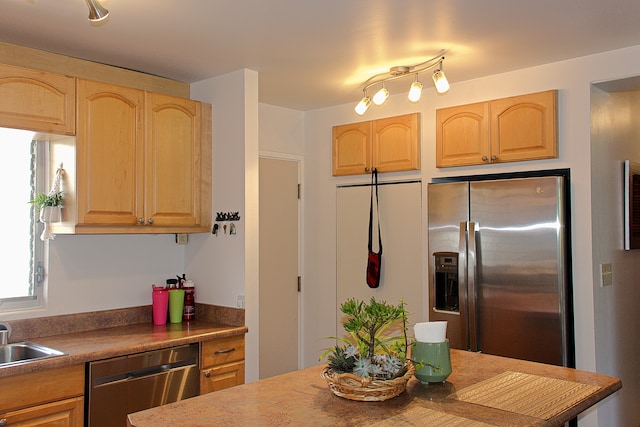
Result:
[{"x": 374, "y": 259}]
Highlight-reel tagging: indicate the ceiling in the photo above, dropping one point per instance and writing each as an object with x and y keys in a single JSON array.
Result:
[{"x": 316, "y": 53}]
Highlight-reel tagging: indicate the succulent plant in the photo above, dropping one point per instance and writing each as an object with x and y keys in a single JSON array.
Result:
[{"x": 366, "y": 351}]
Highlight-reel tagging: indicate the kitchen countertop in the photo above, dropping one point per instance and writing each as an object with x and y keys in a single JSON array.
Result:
[
  {"x": 303, "y": 398},
  {"x": 85, "y": 346}
]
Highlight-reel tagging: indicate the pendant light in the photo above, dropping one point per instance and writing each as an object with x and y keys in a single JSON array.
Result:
[
  {"x": 96, "y": 11},
  {"x": 415, "y": 91},
  {"x": 381, "y": 96}
]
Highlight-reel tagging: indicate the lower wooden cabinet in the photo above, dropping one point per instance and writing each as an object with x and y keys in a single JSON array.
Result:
[
  {"x": 54, "y": 397},
  {"x": 63, "y": 413},
  {"x": 221, "y": 364}
]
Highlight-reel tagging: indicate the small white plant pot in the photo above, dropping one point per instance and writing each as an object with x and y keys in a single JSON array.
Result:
[{"x": 49, "y": 214}]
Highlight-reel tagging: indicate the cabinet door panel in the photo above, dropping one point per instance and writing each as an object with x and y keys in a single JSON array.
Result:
[
  {"x": 351, "y": 149},
  {"x": 110, "y": 154},
  {"x": 64, "y": 413},
  {"x": 173, "y": 161},
  {"x": 524, "y": 127},
  {"x": 395, "y": 143},
  {"x": 36, "y": 100},
  {"x": 221, "y": 377},
  {"x": 462, "y": 135}
]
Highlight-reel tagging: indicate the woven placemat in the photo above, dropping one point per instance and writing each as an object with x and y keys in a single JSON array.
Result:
[
  {"x": 428, "y": 417},
  {"x": 526, "y": 394}
]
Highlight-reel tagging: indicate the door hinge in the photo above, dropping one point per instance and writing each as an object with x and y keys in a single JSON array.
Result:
[
  {"x": 299, "y": 192},
  {"x": 299, "y": 283}
]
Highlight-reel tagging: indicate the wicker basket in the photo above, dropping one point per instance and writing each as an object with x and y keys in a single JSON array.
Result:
[{"x": 353, "y": 387}]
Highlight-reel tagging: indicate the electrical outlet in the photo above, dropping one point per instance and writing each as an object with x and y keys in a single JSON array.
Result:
[
  {"x": 240, "y": 301},
  {"x": 606, "y": 274},
  {"x": 182, "y": 238}
]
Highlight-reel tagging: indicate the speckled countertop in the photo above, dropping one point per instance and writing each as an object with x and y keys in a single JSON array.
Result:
[
  {"x": 87, "y": 341},
  {"x": 303, "y": 398}
]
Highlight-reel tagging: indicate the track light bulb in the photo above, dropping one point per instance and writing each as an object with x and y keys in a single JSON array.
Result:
[
  {"x": 363, "y": 105},
  {"x": 381, "y": 96},
  {"x": 440, "y": 81},
  {"x": 415, "y": 92},
  {"x": 96, "y": 11}
]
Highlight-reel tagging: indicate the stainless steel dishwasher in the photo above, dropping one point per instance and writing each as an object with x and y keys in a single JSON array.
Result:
[{"x": 122, "y": 385}]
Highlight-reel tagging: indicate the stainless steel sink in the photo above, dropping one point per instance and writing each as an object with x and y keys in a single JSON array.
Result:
[{"x": 23, "y": 352}]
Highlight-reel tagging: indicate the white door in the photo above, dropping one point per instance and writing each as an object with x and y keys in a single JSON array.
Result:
[
  {"x": 402, "y": 257},
  {"x": 278, "y": 347}
]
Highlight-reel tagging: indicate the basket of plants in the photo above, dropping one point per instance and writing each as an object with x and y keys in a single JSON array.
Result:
[{"x": 369, "y": 364}]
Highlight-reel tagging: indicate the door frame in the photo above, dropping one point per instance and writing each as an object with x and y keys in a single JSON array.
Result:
[{"x": 300, "y": 162}]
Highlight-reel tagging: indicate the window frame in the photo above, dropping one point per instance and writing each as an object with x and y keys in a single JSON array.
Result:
[{"x": 39, "y": 248}]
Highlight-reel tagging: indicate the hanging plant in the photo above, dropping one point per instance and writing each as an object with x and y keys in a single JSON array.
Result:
[{"x": 43, "y": 199}]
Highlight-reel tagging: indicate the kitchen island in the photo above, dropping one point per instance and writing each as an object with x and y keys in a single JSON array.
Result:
[{"x": 303, "y": 398}]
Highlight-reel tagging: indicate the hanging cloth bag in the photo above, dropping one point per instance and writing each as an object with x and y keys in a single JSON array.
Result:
[{"x": 374, "y": 259}]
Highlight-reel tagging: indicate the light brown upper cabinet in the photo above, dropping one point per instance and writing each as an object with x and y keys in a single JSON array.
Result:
[
  {"x": 36, "y": 100},
  {"x": 142, "y": 163},
  {"x": 389, "y": 145},
  {"x": 502, "y": 130}
]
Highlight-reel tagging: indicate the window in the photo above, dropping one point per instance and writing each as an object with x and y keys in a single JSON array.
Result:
[{"x": 22, "y": 176}]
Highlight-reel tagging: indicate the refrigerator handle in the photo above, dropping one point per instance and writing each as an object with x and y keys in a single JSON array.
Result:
[
  {"x": 471, "y": 287},
  {"x": 462, "y": 285}
]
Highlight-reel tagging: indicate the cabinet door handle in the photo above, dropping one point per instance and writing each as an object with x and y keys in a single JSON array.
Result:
[
  {"x": 3, "y": 422},
  {"x": 207, "y": 374},
  {"x": 485, "y": 159},
  {"x": 228, "y": 350},
  {"x": 494, "y": 157},
  {"x": 150, "y": 221},
  {"x": 366, "y": 169},
  {"x": 140, "y": 220}
]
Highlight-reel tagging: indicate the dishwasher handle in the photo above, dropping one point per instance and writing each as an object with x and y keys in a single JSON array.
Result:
[{"x": 144, "y": 372}]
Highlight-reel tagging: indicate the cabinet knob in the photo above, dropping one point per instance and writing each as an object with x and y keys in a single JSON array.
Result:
[
  {"x": 141, "y": 221},
  {"x": 207, "y": 374},
  {"x": 150, "y": 221},
  {"x": 3, "y": 422},
  {"x": 367, "y": 170},
  {"x": 485, "y": 159},
  {"x": 494, "y": 158}
]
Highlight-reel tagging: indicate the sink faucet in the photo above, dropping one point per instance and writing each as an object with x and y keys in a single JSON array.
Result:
[{"x": 5, "y": 332}]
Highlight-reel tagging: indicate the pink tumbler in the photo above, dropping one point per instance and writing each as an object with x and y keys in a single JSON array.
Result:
[{"x": 160, "y": 300}]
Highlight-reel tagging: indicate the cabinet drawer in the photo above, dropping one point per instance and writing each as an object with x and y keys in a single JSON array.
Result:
[
  {"x": 221, "y": 377},
  {"x": 30, "y": 389},
  {"x": 222, "y": 351}
]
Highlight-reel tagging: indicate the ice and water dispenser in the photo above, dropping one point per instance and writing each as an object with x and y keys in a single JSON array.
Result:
[{"x": 446, "y": 281}]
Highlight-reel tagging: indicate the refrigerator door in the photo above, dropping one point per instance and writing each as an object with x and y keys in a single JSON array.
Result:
[
  {"x": 448, "y": 207},
  {"x": 519, "y": 273}
]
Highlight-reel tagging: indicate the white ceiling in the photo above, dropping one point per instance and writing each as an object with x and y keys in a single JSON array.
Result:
[{"x": 316, "y": 53}]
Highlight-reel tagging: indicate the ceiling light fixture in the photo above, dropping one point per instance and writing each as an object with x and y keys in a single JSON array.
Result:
[
  {"x": 415, "y": 92},
  {"x": 96, "y": 11}
]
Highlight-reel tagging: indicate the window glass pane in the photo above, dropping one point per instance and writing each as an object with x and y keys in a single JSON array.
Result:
[{"x": 18, "y": 180}]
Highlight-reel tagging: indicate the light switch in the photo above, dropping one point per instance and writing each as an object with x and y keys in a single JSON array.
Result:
[{"x": 606, "y": 274}]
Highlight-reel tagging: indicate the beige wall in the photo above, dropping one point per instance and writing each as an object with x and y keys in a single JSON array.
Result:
[{"x": 615, "y": 137}]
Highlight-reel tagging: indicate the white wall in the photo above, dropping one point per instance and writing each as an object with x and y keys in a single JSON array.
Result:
[
  {"x": 572, "y": 78},
  {"x": 615, "y": 136},
  {"x": 93, "y": 273},
  {"x": 225, "y": 266}
]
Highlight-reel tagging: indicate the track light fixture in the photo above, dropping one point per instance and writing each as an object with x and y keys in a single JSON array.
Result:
[
  {"x": 96, "y": 11},
  {"x": 415, "y": 92}
]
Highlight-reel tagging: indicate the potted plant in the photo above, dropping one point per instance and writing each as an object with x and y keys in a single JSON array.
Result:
[
  {"x": 368, "y": 364},
  {"x": 45, "y": 204}
]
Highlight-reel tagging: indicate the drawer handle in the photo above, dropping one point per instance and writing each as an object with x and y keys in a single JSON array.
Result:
[{"x": 228, "y": 350}]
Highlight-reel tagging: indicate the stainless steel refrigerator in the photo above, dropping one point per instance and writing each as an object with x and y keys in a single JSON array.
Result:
[{"x": 499, "y": 266}]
